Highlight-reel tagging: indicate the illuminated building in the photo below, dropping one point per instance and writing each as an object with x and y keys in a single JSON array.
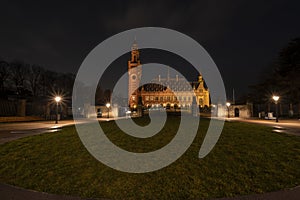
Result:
[{"x": 160, "y": 92}]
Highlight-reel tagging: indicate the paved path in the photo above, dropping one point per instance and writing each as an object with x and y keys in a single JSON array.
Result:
[
  {"x": 17, "y": 130},
  {"x": 13, "y": 131},
  {"x": 8, "y": 192},
  {"x": 289, "y": 126}
]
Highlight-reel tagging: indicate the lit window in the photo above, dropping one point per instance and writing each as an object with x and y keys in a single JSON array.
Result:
[{"x": 201, "y": 102}]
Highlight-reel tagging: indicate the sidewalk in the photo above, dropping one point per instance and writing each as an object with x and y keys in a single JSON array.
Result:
[
  {"x": 13, "y": 131},
  {"x": 16, "y": 130},
  {"x": 289, "y": 126},
  {"x": 8, "y": 192}
]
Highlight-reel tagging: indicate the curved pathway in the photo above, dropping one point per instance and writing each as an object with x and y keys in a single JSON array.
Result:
[
  {"x": 8, "y": 192},
  {"x": 289, "y": 126},
  {"x": 13, "y": 131}
]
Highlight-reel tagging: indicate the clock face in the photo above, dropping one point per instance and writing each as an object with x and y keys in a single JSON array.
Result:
[{"x": 133, "y": 77}]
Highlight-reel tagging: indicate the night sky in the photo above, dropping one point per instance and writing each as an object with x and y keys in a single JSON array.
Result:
[{"x": 242, "y": 37}]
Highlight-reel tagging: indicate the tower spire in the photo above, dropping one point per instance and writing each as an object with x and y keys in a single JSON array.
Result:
[
  {"x": 134, "y": 75},
  {"x": 135, "y": 52},
  {"x": 134, "y": 45},
  {"x": 168, "y": 75}
]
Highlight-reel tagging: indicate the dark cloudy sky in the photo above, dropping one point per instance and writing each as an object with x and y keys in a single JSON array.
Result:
[{"x": 243, "y": 37}]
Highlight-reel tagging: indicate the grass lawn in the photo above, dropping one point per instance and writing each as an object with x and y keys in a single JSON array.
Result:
[{"x": 247, "y": 159}]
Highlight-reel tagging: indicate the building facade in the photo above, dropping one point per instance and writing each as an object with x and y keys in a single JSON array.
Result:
[
  {"x": 167, "y": 92},
  {"x": 135, "y": 75}
]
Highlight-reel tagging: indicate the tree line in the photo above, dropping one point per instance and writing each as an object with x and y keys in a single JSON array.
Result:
[
  {"x": 24, "y": 80},
  {"x": 282, "y": 78},
  {"x": 30, "y": 80}
]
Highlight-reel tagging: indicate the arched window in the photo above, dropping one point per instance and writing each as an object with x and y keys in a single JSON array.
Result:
[{"x": 201, "y": 102}]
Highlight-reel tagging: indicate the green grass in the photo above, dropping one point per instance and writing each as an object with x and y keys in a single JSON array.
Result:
[{"x": 247, "y": 159}]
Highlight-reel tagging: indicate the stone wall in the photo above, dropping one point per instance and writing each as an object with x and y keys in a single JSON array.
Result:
[
  {"x": 13, "y": 107},
  {"x": 8, "y": 108},
  {"x": 242, "y": 111}
]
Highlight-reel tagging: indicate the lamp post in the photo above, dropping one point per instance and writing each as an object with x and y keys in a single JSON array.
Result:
[
  {"x": 276, "y": 98},
  {"x": 57, "y": 99},
  {"x": 228, "y": 104},
  {"x": 107, "y": 106}
]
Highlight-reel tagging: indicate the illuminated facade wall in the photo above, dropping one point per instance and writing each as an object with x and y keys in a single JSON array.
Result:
[{"x": 158, "y": 94}]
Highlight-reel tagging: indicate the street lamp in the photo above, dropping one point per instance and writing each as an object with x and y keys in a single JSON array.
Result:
[
  {"x": 57, "y": 99},
  {"x": 276, "y": 98},
  {"x": 107, "y": 106},
  {"x": 228, "y": 104}
]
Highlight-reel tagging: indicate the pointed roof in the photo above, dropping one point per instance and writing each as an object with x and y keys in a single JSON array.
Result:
[{"x": 134, "y": 45}]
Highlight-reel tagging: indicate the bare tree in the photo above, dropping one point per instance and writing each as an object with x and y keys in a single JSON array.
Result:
[
  {"x": 283, "y": 79},
  {"x": 34, "y": 79},
  {"x": 65, "y": 82},
  {"x": 19, "y": 73},
  {"x": 99, "y": 95},
  {"x": 4, "y": 74},
  {"x": 107, "y": 96},
  {"x": 48, "y": 82},
  {"x": 288, "y": 71}
]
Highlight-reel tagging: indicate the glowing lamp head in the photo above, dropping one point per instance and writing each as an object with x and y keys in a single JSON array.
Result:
[
  {"x": 108, "y": 105},
  {"x": 57, "y": 99},
  {"x": 227, "y": 104},
  {"x": 275, "y": 98}
]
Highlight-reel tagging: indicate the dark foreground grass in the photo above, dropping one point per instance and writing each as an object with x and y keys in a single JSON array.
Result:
[{"x": 247, "y": 159}]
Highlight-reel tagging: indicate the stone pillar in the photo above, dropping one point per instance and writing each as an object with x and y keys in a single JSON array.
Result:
[
  {"x": 250, "y": 109},
  {"x": 222, "y": 110},
  {"x": 47, "y": 111},
  {"x": 86, "y": 108},
  {"x": 280, "y": 109},
  {"x": 194, "y": 108},
  {"x": 115, "y": 110},
  {"x": 21, "y": 108},
  {"x": 291, "y": 110},
  {"x": 140, "y": 107}
]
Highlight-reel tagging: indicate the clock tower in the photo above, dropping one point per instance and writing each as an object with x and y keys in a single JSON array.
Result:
[{"x": 134, "y": 76}]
